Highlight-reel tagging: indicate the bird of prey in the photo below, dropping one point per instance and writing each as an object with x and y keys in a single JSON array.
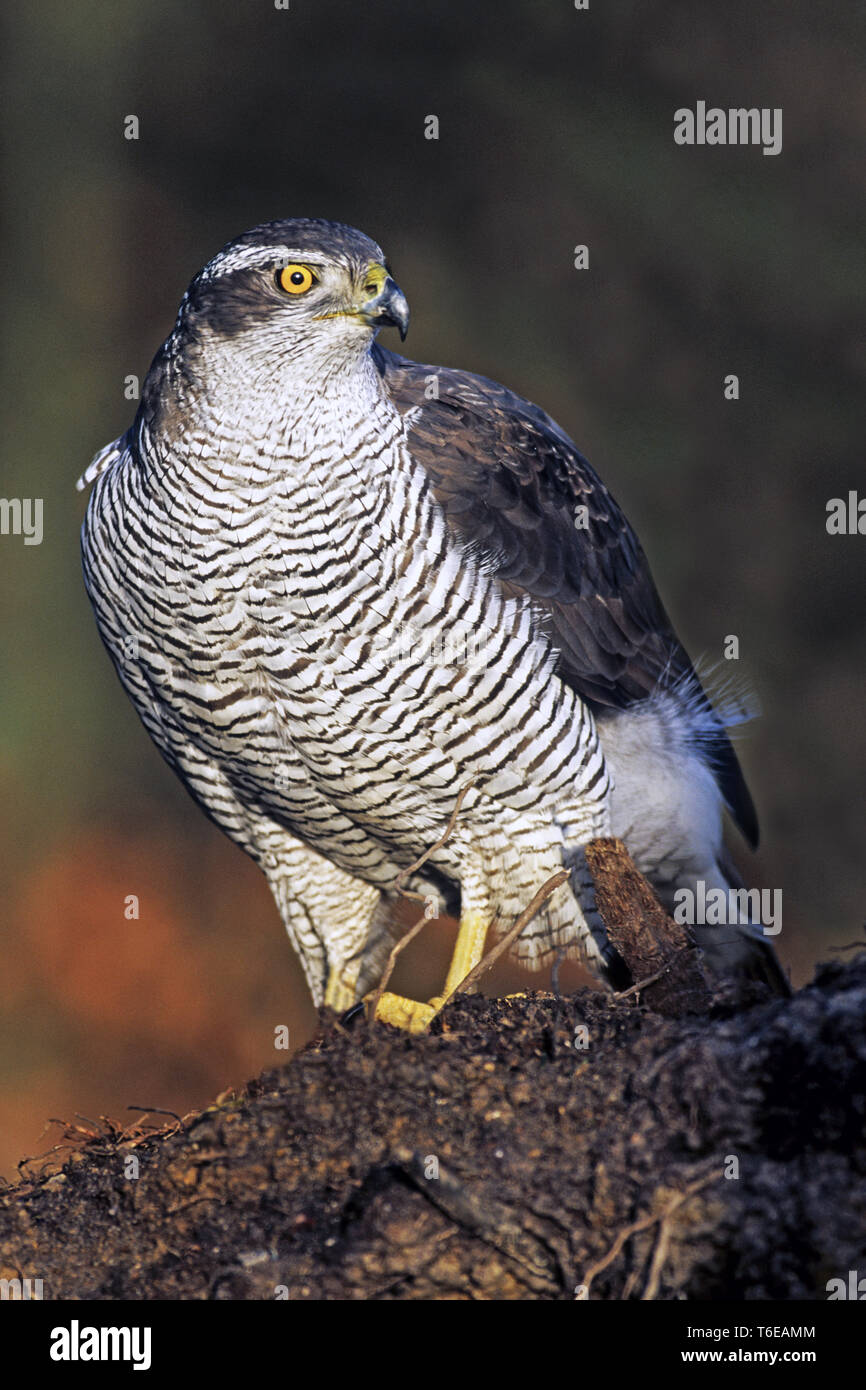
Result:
[{"x": 340, "y": 587}]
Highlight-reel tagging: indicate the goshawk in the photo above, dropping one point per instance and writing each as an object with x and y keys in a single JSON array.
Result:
[{"x": 340, "y": 586}]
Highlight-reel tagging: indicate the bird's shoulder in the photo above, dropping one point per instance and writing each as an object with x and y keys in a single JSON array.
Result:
[
  {"x": 514, "y": 484},
  {"x": 515, "y": 487}
]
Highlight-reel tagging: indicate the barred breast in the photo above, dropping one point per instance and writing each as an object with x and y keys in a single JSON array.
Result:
[{"x": 304, "y": 638}]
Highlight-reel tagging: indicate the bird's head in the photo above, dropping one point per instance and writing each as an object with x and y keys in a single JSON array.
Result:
[{"x": 292, "y": 292}]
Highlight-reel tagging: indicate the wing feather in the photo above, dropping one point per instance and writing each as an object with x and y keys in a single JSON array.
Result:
[{"x": 510, "y": 482}]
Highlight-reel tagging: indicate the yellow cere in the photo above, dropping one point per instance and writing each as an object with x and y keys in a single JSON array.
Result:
[{"x": 374, "y": 278}]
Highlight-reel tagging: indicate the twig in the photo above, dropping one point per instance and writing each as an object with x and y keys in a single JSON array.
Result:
[
  {"x": 155, "y": 1110},
  {"x": 625, "y": 1234},
  {"x": 650, "y": 979},
  {"x": 660, "y": 1254},
  {"x": 449, "y": 830},
  {"x": 662, "y": 1218},
  {"x": 392, "y": 961},
  {"x": 507, "y": 941},
  {"x": 419, "y": 926}
]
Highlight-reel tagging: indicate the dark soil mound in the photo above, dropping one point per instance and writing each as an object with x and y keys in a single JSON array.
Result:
[{"x": 537, "y": 1147}]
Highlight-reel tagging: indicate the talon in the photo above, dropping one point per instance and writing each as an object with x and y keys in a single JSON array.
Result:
[{"x": 348, "y": 1017}]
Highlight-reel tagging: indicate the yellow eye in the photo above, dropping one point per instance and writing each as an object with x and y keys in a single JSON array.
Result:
[{"x": 295, "y": 279}]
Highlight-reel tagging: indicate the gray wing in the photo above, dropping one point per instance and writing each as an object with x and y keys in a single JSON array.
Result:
[{"x": 510, "y": 481}]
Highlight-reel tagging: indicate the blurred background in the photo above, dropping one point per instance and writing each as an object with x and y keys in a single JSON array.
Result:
[{"x": 555, "y": 129}]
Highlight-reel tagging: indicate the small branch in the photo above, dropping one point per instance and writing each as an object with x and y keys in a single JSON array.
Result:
[
  {"x": 660, "y": 1218},
  {"x": 391, "y": 962},
  {"x": 507, "y": 941},
  {"x": 449, "y": 830},
  {"x": 419, "y": 926},
  {"x": 650, "y": 979}
]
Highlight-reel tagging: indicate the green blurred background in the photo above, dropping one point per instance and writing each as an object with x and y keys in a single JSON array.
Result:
[{"x": 556, "y": 128}]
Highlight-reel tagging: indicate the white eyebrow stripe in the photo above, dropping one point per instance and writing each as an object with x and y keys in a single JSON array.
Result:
[
  {"x": 248, "y": 257},
  {"x": 308, "y": 257},
  {"x": 245, "y": 258}
]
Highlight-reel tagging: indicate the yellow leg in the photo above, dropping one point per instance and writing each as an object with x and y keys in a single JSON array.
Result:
[
  {"x": 339, "y": 995},
  {"x": 468, "y": 950}
]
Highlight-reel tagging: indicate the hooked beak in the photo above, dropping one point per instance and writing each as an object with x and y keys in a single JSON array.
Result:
[{"x": 389, "y": 308}]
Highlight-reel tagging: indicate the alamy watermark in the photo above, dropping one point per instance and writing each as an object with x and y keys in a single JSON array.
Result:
[
  {"x": 22, "y": 516},
  {"x": 738, "y": 125},
  {"x": 21, "y": 1290},
  {"x": 846, "y": 516},
  {"x": 854, "y": 1288},
  {"x": 459, "y": 646},
  {"x": 718, "y": 907},
  {"x": 77, "y": 1343}
]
